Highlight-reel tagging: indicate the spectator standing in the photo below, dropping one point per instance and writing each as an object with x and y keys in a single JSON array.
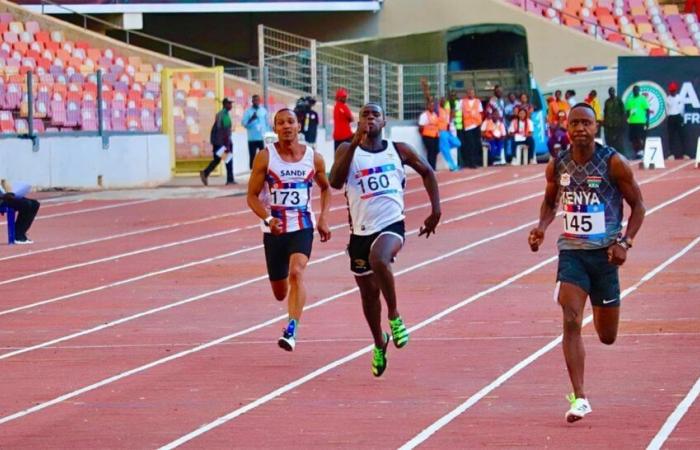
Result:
[
  {"x": 429, "y": 132},
  {"x": 592, "y": 99},
  {"x": 255, "y": 122},
  {"x": 342, "y": 118},
  {"x": 570, "y": 97},
  {"x": 220, "y": 139},
  {"x": 309, "y": 123},
  {"x": 637, "y": 111},
  {"x": 555, "y": 105},
  {"x": 614, "y": 121},
  {"x": 674, "y": 110},
  {"x": 472, "y": 112}
]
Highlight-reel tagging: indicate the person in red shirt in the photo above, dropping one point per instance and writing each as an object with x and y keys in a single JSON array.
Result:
[{"x": 342, "y": 118}]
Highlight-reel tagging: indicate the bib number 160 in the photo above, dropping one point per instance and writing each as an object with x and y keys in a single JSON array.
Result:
[{"x": 373, "y": 183}]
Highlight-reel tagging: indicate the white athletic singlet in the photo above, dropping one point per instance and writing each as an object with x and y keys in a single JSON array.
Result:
[
  {"x": 374, "y": 190},
  {"x": 287, "y": 191}
]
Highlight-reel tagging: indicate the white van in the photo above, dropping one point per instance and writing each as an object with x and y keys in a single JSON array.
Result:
[{"x": 584, "y": 82}]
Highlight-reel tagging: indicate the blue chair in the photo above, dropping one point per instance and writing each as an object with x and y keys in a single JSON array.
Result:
[{"x": 10, "y": 223}]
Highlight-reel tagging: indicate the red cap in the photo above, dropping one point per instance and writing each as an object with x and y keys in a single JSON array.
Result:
[
  {"x": 341, "y": 93},
  {"x": 673, "y": 87}
]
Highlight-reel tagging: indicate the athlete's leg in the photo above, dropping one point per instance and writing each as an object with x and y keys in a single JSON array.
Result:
[
  {"x": 573, "y": 300},
  {"x": 383, "y": 251},
  {"x": 280, "y": 288},
  {"x": 371, "y": 306},
  {"x": 606, "y": 320},
  {"x": 297, "y": 289}
]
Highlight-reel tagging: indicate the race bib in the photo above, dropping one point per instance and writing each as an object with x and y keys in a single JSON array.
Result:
[
  {"x": 584, "y": 221},
  {"x": 289, "y": 195},
  {"x": 376, "y": 181}
]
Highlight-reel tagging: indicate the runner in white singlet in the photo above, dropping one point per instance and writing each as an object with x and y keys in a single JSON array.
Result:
[
  {"x": 279, "y": 193},
  {"x": 371, "y": 169}
]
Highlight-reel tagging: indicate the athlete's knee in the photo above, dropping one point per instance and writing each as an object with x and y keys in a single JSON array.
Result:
[
  {"x": 572, "y": 319},
  {"x": 296, "y": 273},
  {"x": 379, "y": 261}
]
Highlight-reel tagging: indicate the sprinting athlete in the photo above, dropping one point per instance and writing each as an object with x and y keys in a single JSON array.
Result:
[
  {"x": 591, "y": 181},
  {"x": 371, "y": 169},
  {"x": 279, "y": 193}
]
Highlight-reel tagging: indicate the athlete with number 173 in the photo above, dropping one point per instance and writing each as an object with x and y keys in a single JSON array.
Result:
[
  {"x": 279, "y": 193},
  {"x": 591, "y": 182}
]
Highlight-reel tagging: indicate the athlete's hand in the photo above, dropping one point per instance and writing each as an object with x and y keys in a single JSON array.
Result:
[
  {"x": 358, "y": 137},
  {"x": 617, "y": 255},
  {"x": 276, "y": 226},
  {"x": 429, "y": 225},
  {"x": 323, "y": 230},
  {"x": 535, "y": 239}
]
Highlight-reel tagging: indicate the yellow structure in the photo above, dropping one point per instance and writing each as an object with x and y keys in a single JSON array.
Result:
[{"x": 191, "y": 97}]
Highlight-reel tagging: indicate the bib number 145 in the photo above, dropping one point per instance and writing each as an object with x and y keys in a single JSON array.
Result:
[{"x": 584, "y": 224}]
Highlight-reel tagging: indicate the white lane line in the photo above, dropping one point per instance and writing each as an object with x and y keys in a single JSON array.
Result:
[
  {"x": 253, "y": 328},
  {"x": 190, "y": 222},
  {"x": 675, "y": 417},
  {"x": 119, "y": 256},
  {"x": 187, "y": 300},
  {"x": 81, "y": 211},
  {"x": 208, "y": 236},
  {"x": 524, "y": 337},
  {"x": 471, "y": 401},
  {"x": 114, "y": 378},
  {"x": 290, "y": 386}
]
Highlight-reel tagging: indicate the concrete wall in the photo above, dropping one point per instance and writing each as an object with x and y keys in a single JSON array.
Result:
[{"x": 77, "y": 162}]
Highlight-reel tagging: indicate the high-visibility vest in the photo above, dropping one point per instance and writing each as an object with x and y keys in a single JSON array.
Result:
[
  {"x": 472, "y": 116},
  {"x": 459, "y": 124},
  {"x": 431, "y": 129},
  {"x": 443, "y": 119}
]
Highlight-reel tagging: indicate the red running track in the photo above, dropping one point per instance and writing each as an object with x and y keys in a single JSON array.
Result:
[{"x": 83, "y": 394}]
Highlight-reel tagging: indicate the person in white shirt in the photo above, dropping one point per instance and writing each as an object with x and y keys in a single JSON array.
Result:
[
  {"x": 674, "y": 110},
  {"x": 520, "y": 130}
]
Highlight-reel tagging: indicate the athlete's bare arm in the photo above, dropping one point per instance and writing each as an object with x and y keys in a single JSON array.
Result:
[
  {"x": 421, "y": 166},
  {"x": 322, "y": 181},
  {"x": 621, "y": 174},
  {"x": 548, "y": 210},
  {"x": 343, "y": 158},
  {"x": 255, "y": 186}
]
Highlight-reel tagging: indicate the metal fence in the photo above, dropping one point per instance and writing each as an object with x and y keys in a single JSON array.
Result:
[{"x": 313, "y": 68}]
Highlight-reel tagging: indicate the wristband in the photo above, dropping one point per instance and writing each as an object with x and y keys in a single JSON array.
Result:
[{"x": 267, "y": 221}]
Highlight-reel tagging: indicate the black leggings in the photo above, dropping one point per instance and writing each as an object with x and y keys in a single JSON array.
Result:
[{"x": 26, "y": 212}]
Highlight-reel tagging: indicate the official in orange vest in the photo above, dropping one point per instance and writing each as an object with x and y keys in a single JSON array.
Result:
[
  {"x": 493, "y": 131},
  {"x": 472, "y": 111},
  {"x": 555, "y": 105},
  {"x": 429, "y": 131}
]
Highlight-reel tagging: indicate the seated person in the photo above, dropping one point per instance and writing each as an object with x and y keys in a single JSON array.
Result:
[
  {"x": 26, "y": 212},
  {"x": 558, "y": 136},
  {"x": 520, "y": 130},
  {"x": 493, "y": 131}
]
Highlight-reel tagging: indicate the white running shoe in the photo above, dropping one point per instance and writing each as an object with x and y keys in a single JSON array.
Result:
[
  {"x": 23, "y": 241},
  {"x": 287, "y": 342},
  {"x": 579, "y": 408}
]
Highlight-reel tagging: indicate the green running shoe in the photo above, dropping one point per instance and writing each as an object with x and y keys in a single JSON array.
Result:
[
  {"x": 399, "y": 333},
  {"x": 379, "y": 358}
]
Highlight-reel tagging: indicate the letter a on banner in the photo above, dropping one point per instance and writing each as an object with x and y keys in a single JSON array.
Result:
[{"x": 653, "y": 154}]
